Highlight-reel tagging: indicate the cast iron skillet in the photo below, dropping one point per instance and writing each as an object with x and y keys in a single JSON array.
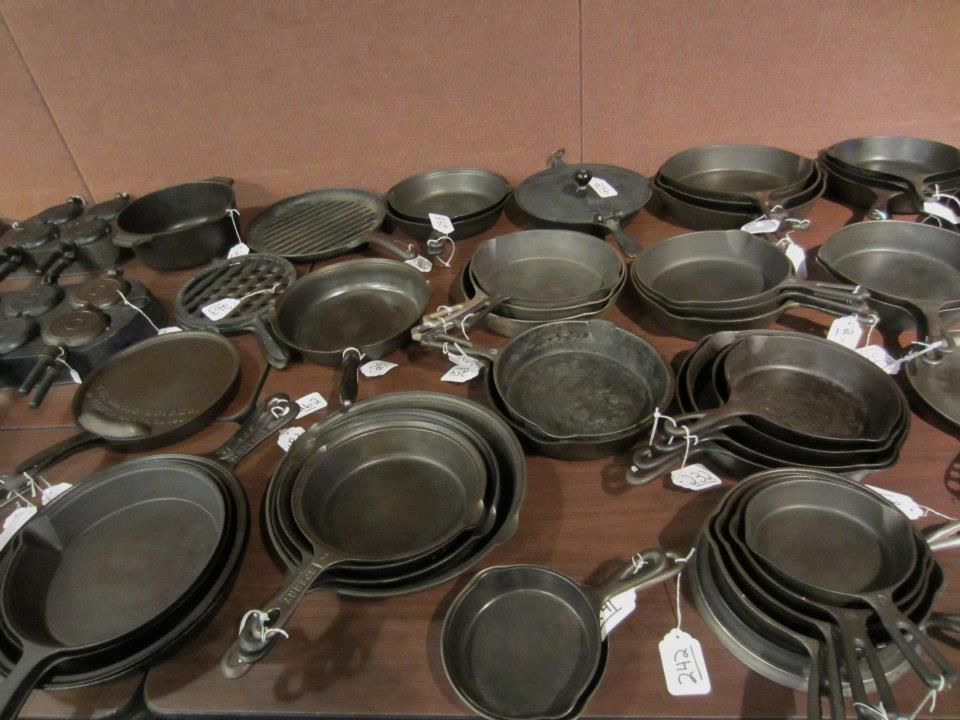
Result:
[
  {"x": 193, "y": 376},
  {"x": 561, "y": 197},
  {"x": 373, "y": 494},
  {"x": 522, "y": 641},
  {"x": 458, "y": 193},
  {"x": 337, "y": 314},
  {"x": 113, "y": 556}
]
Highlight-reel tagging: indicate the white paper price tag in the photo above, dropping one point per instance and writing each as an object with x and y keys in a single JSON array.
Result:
[
  {"x": 14, "y": 522},
  {"x": 420, "y": 263},
  {"x": 905, "y": 504},
  {"x": 798, "y": 258},
  {"x": 310, "y": 403},
  {"x": 288, "y": 436},
  {"x": 602, "y": 188},
  {"x": 441, "y": 223},
  {"x": 846, "y": 331},
  {"x": 616, "y": 610},
  {"x": 219, "y": 309},
  {"x": 49, "y": 494},
  {"x": 881, "y": 358},
  {"x": 939, "y": 210},
  {"x": 239, "y": 249},
  {"x": 74, "y": 375},
  {"x": 460, "y": 359},
  {"x": 683, "y": 665},
  {"x": 376, "y": 368},
  {"x": 762, "y": 226},
  {"x": 694, "y": 477},
  {"x": 461, "y": 373},
  {"x": 168, "y": 330}
]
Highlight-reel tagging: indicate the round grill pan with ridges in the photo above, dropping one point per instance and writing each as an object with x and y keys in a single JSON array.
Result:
[
  {"x": 258, "y": 279},
  {"x": 321, "y": 224}
]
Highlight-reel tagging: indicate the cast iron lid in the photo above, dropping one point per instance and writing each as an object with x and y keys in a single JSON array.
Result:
[
  {"x": 32, "y": 302},
  {"x": 15, "y": 333},
  {"x": 58, "y": 214},
  {"x": 74, "y": 328},
  {"x": 28, "y": 237},
  {"x": 573, "y": 194},
  {"x": 84, "y": 230},
  {"x": 99, "y": 293}
]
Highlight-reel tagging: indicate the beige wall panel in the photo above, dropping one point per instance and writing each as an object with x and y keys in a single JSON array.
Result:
[
  {"x": 661, "y": 76},
  {"x": 289, "y": 96}
]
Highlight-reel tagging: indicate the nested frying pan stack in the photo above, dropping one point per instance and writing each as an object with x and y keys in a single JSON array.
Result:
[
  {"x": 894, "y": 174},
  {"x": 762, "y": 399},
  {"x": 715, "y": 280},
  {"x": 724, "y": 187},
  {"x": 571, "y": 389},
  {"x": 912, "y": 271},
  {"x": 401, "y": 492},
  {"x": 821, "y": 585},
  {"x": 124, "y": 567},
  {"x": 471, "y": 198}
]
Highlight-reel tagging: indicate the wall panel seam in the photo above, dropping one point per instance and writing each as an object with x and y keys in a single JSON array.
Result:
[{"x": 46, "y": 105}]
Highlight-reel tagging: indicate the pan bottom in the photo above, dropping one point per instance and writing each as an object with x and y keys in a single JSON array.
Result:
[
  {"x": 733, "y": 181},
  {"x": 361, "y": 316},
  {"x": 883, "y": 270},
  {"x": 547, "y": 279},
  {"x": 579, "y": 393},
  {"x": 710, "y": 280}
]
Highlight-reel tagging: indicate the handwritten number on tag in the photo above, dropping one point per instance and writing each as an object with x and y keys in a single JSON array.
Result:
[
  {"x": 461, "y": 373},
  {"x": 602, "y": 188},
  {"x": 289, "y": 436},
  {"x": 616, "y": 610},
  {"x": 219, "y": 309},
  {"x": 846, "y": 331},
  {"x": 881, "y": 358},
  {"x": 684, "y": 668},
  {"x": 376, "y": 368},
  {"x": 694, "y": 477},
  {"x": 420, "y": 263},
  {"x": 310, "y": 403}
]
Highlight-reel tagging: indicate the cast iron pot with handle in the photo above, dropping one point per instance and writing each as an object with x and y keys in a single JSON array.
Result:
[{"x": 180, "y": 226}]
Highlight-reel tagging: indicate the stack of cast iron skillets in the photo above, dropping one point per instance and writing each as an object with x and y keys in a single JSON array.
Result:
[
  {"x": 705, "y": 282},
  {"x": 822, "y": 585},
  {"x": 723, "y": 187},
  {"x": 762, "y": 399},
  {"x": 894, "y": 174}
]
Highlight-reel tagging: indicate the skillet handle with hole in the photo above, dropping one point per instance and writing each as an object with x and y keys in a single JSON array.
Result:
[
  {"x": 646, "y": 468},
  {"x": 276, "y": 413},
  {"x": 49, "y": 357},
  {"x": 897, "y": 626},
  {"x": 627, "y": 244},
  {"x": 944, "y": 622},
  {"x": 471, "y": 349},
  {"x": 349, "y": 388},
  {"x": 50, "y": 375},
  {"x": 468, "y": 313},
  {"x": 16, "y": 687},
  {"x": 853, "y": 640},
  {"x": 880, "y": 208},
  {"x": 390, "y": 246},
  {"x": 260, "y": 629},
  {"x": 656, "y": 568},
  {"x": 127, "y": 240},
  {"x": 38, "y": 462},
  {"x": 273, "y": 350}
]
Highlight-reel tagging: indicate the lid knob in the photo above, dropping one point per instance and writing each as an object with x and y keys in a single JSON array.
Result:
[{"x": 582, "y": 177}]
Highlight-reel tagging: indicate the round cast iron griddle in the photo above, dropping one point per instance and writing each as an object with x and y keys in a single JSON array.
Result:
[
  {"x": 192, "y": 377},
  {"x": 906, "y": 263},
  {"x": 458, "y": 193},
  {"x": 320, "y": 224},
  {"x": 522, "y": 641},
  {"x": 257, "y": 279}
]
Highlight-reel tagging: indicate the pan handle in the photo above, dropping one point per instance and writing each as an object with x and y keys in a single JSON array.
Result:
[
  {"x": 880, "y": 209},
  {"x": 451, "y": 342},
  {"x": 259, "y": 629},
  {"x": 839, "y": 308},
  {"x": 944, "y": 622},
  {"x": 348, "y": 379},
  {"x": 38, "y": 462},
  {"x": 273, "y": 350},
  {"x": 896, "y": 624},
  {"x": 943, "y": 537},
  {"x": 276, "y": 413},
  {"x": 647, "y": 569},
  {"x": 627, "y": 244},
  {"x": 389, "y": 245},
  {"x": 50, "y": 375},
  {"x": 11, "y": 259},
  {"x": 128, "y": 240},
  {"x": 646, "y": 467},
  {"x": 24, "y": 677}
]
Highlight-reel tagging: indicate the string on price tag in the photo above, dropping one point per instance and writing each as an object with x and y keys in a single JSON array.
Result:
[
  {"x": 376, "y": 368},
  {"x": 310, "y": 403},
  {"x": 681, "y": 655},
  {"x": 288, "y": 436},
  {"x": 441, "y": 223},
  {"x": 846, "y": 331},
  {"x": 602, "y": 188},
  {"x": 420, "y": 263}
]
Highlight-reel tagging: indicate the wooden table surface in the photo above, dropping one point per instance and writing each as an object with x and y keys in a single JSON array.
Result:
[{"x": 352, "y": 657}]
